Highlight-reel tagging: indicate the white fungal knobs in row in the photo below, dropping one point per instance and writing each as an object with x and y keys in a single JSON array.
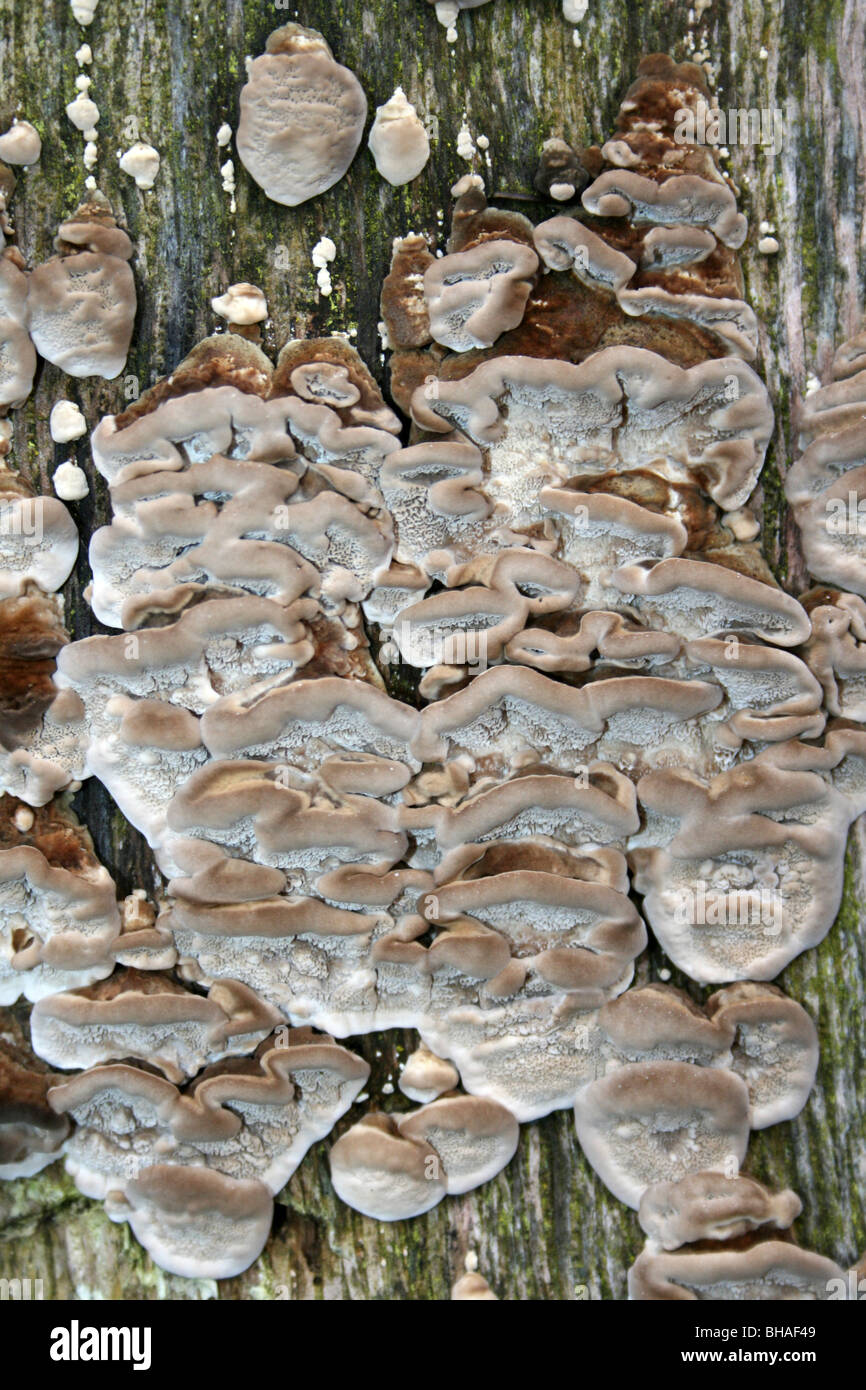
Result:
[
  {"x": 84, "y": 113},
  {"x": 448, "y": 11},
  {"x": 84, "y": 10},
  {"x": 66, "y": 422},
  {"x": 302, "y": 117},
  {"x": 398, "y": 141},
  {"x": 70, "y": 482}
]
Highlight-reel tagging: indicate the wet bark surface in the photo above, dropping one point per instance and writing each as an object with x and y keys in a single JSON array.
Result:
[{"x": 170, "y": 73}]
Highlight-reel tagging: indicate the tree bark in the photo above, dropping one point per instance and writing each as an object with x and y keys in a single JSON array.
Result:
[{"x": 171, "y": 71}]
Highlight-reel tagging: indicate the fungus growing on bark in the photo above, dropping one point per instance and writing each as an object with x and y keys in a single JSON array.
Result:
[
  {"x": 696, "y": 599},
  {"x": 195, "y": 1222},
  {"x": 393, "y": 1167},
  {"x": 20, "y": 144},
  {"x": 447, "y": 11},
  {"x": 31, "y": 1134},
  {"x": 772, "y": 1269},
  {"x": 775, "y": 1051},
  {"x": 70, "y": 482},
  {"x": 187, "y": 1168},
  {"x": 475, "y": 296},
  {"x": 38, "y": 539},
  {"x": 301, "y": 117},
  {"x": 346, "y": 860},
  {"x": 712, "y": 1206},
  {"x": 684, "y": 200},
  {"x": 826, "y": 485},
  {"x": 425, "y": 1076},
  {"x": 141, "y": 162},
  {"x": 84, "y": 10},
  {"x": 17, "y": 354},
  {"x": 472, "y": 1287},
  {"x": 151, "y": 1018},
  {"x": 398, "y": 141},
  {"x": 711, "y": 1237},
  {"x": 648, "y": 1120},
  {"x": 626, "y": 393},
  {"x": 560, "y": 174},
  {"x": 748, "y": 869},
  {"x": 383, "y": 1173},
  {"x": 66, "y": 422},
  {"x": 82, "y": 301},
  {"x": 58, "y": 913},
  {"x": 836, "y": 651}
]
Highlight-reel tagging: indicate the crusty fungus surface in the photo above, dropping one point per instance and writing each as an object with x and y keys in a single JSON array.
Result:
[
  {"x": 427, "y": 723},
  {"x": 194, "y": 1170}
]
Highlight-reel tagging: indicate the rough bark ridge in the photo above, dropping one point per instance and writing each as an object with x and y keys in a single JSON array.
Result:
[{"x": 171, "y": 73}]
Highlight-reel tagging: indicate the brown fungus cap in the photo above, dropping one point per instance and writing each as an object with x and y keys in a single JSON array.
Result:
[
  {"x": 474, "y": 1138},
  {"x": 650, "y": 1121},
  {"x": 82, "y": 302},
  {"x": 195, "y": 1222},
  {"x": 31, "y": 1134},
  {"x": 712, "y": 1206},
  {"x": 771, "y": 1269},
  {"x": 302, "y": 117},
  {"x": 385, "y": 1174}
]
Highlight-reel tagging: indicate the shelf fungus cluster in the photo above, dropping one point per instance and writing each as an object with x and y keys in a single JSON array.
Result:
[
  {"x": 728, "y": 1239},
  {"x": 607, "y": 698}
]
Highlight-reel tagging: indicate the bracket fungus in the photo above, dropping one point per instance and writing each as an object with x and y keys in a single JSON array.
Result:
[
  {"x": 398, "y": 140},
  {"x": 750, "y": 870},
  {"x": 190, "y": 1169},
  {"x": 17, "y": 353},
  {"x": 394, "y": 1167},
  {"x": 58, "y": 911},
  {"x": 604, "y": 694},
  {"x": 82, "y": 301},
  {"x": 714, "y": 1237},
  {"x": 302, "y": 117},
  {"x": 826, "y": 485},
  {"x": 149, "y": 1017},
  {"x": 31, "y": 1134},
  {"x": 475, "y": 296}
]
